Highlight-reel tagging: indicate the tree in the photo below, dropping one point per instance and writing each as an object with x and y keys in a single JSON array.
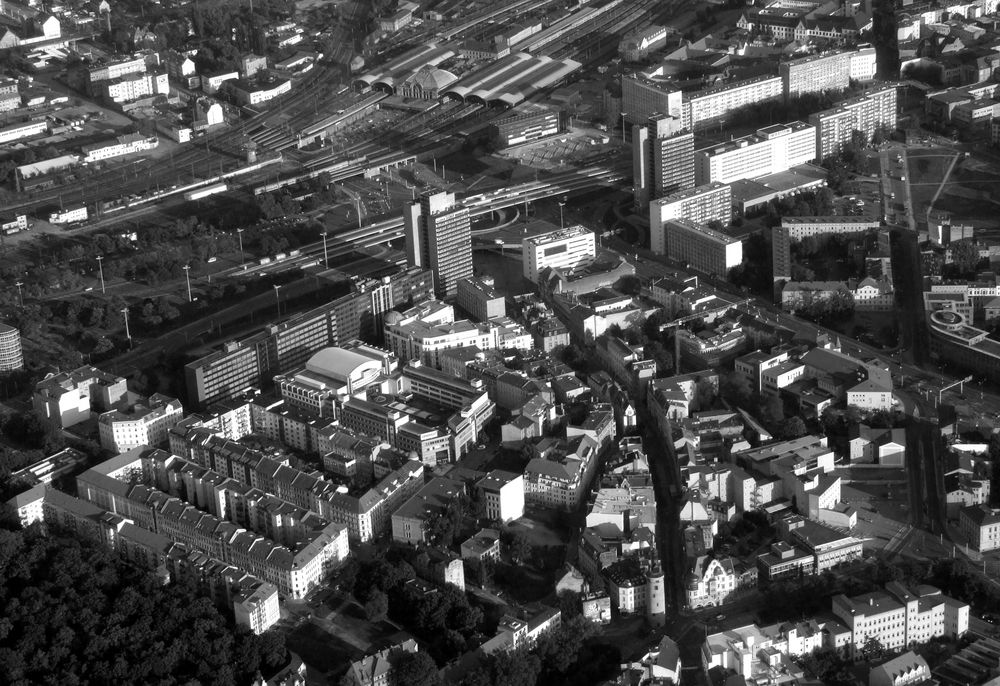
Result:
[
  {"x": 377, "y": 606},
  {"x": 793, "y": 427},
  {"x": 520, "y": 548},
  {"x": 569, "y": 604},
  {"x": 629, "y": 285},
  {"x": 414, "y": 669},
  {"x": 656, "y": 351},
  {"x": 872, "y": 648},
  {"x": 965, "y": 256},
  {"x": 735, "y": 388}
]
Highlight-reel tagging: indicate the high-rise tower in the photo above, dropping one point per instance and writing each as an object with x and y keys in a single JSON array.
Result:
[
  {"x": 438, "y": 237},
  {"x": 662, "y": 159}
]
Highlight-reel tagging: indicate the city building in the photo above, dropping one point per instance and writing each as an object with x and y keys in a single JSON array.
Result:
[
  {"x": 636, "y": 586},
  {"x": 711, "y": 202},
  {"x": 772, "y": 150},
  {"x": 836, "y": 126},
  {"x": 122, "y": 145},
  {"x": 68, "y": 398},
  {"x": 715, "y": 581},
  {"x": 902, "y": 670},
  {"x": 705, "y": 249},
  {"x": 816, "y": 73},
  {"x": 410, "y": 520},
  {"x": 801, "y": 227},
  {"x": 503, "y": 495},
  {"x": 662, "y": 159},
  {"x": 717, "y": 104},
  {"x": 981, "y": 526},
  {"x": 526, "y": 127},
  {"x": 253, "y": 93},
  {"x": 376, "y": 669},
  {"x": 11, "y": 358},
  {"x": 559, "y": 475},
  {"x": 899, "y": 617},
  {"x": 144, "y": 422},
  {"x": 269, "y": 536},
  {"x": 437, "y": 231},
  {"x": 568, "y": 248},
  {"x": 251, "y": 362},
  {"x": 479, "y": 297},
  {"x": 52, "y": 467},
  {"x": 254, "y": 602},
  {"x": 643, "y": 95}
]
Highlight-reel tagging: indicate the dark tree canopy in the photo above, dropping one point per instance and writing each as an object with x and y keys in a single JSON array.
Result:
[{"x": 71, "y": 612}]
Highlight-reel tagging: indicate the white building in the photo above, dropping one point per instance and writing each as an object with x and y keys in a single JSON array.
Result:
[
  {"x": 702, "y": 204},
  {"x": 67, "y": 398},
  {"x": 708, "y": 250},
  {"x": 981, "y": 525},
  {"x": 142, "y": 423},
  {"x": 567, "y": 248},
  {"x": 135, "y": 86},
  {"x": 503, "y": 495},
  {"x": 771, "y": 150},
  {"x": 122, "y": 145},
  {"x": 899, "y": 617}
]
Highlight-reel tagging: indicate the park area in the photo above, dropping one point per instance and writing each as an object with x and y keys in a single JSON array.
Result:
[{"x": 946, "y": 181}]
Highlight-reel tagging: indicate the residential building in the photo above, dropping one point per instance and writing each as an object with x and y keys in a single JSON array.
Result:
[
  {"x": 899, "y": 617},
  {"x": 484, "y": 545},
  {"x": 52, "y": 467},
  {"x": 560, "y": 474},
  {"x": 131, "y": 87},
  {"x": 569, "y": 248},
  {"x": 636, "y": 586},
  {"x": 437, "y": 231},
  {"x": 801, "y": 227},
  {"x": 771, "y": 150},
  {"x": 11, "y": 358},
  {"x": 367, "y": 514},
  {"x": 503, "y": 495},
  {"x": 885, "y": 447},
  {"x": 253, "y": 93},
  {"x": 662, "y": 158},
  {"x": 711, "y": 202},
  {"x": 410, "y": 520},
  {"x": 144, "y": 422},
  {"x": 376, "y": 669},
  {"x": 981, "y": 526},
  {"x": 903, "y": 670},
  {"x": 715, "y": 581},
  {"x": 708, "y": 250},
  {"x": 752, "y": 365},
  {"x": 835, "y": 127},
  {"x": 715, "y": 105},
  {"x": 816, "y": 73},
  {"x": 480, "y": 299},
  {"x": 68, "y": 398}
]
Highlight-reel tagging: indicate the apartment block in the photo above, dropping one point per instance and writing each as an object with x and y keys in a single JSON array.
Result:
[
  {"x": 409, "y": 521},
  {"x": 145, "y": 422},
  {"x": 254, "y": 602},
  {"x": 367, "y": 515},
  {"x": 771, "y": 150},
  {"x": 836, "y": 126},
  {"x": 560, "y": 474},
  {"x": 643, "y": 96},
  {"x": 68, "y": 398},
  {"x": 479, "y": 297},
  {"x": 503, "y": 495},
  {"x": 981, "y": 525},
  {"x": 711, "y": 251},
  {"x": 801, "y": 227},
  {"x": 716, "y": 105},
  {"x": 568, "y": 248},
  {"x": 701, "y": 204},
  {"x": 122, "y": 145},
  {"x": 816, "y": 73}
]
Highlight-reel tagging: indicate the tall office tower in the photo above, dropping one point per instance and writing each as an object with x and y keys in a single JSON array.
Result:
[
  {"x": 662, "y": 159},
  {"x": 438, "y": 238}
]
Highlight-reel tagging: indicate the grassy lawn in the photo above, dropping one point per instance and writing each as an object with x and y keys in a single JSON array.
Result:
[{"x": 321, "y": 649}]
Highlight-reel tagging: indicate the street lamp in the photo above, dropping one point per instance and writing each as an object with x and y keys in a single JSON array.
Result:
[
  {"x": 623, "y": 127},
  {"x": 127, "y": 334},
  {"x": 239, "y": 234},
  {"x": 187, "y": 277},
  {"x": 562, "y": 204},
  {"x": 326, "y": 260},
  {"x": 20, "y": 298},
  {"x": 357, "y": 203},
  {"x": 100, "y": 268},
  {"x": 277, "y": 298}
]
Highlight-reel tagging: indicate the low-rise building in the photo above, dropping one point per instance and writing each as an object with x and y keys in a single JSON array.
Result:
[
  {"x": 503, "y": 495},
  {"x": 144, "y": 422},
  {"x": 981, "y": 526},
  {"x": 410, "y": 521}
]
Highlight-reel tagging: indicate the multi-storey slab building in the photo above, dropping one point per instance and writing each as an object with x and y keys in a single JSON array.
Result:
[
  {"x": 866, "y": 113},
  {"x": 711, "y": 251},
  {"x": 771, "y": 150},
  {"x": 569, "y": 248},
  {"x": 703, "y": 204},
  {"x": 437, "y": 232}
]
